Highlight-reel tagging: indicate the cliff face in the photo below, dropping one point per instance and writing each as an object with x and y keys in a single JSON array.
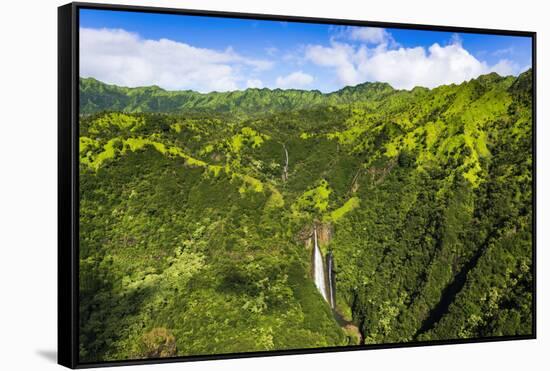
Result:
[{"x": 324, "y": 233}]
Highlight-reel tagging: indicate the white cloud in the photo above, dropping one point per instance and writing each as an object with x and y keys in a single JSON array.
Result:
[
  {"x": 370, "y": 35},
  {"x": 341, "y": 57},
  {"x": 254, "y": 83},
  {"x": 294, "y": 80},
  {"x": 506, "y": 67},
  {"x": 404, "y": 68},
  {"x": 123, "y": 58}
]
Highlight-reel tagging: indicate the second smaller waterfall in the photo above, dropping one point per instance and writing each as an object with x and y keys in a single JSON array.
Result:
[{"x": 330, "y": 279}]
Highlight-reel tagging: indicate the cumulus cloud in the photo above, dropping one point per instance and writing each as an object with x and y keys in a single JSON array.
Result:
[
  {"x": 370, "y": 35},
  {"x": 295, "y": 80},
  {"x": 404, "y": 68},
  {"x": 343, "y": 58},
  {"x": 367, "y": 36},
  {"x": 120, "y": 57}
]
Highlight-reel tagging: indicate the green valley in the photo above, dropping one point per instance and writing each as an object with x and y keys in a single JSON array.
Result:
[{"x": 198, "y": 214}]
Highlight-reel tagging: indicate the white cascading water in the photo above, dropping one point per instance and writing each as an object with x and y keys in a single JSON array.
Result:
[{"x": 318, "y": 268}]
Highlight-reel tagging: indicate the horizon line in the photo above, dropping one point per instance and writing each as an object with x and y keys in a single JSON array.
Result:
[{"x": 304, "y": 90}]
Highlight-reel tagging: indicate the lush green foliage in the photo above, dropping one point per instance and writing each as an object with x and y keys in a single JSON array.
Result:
[
  {"x": 96, "y": 96},
  {"x": 193, "y": 241}
]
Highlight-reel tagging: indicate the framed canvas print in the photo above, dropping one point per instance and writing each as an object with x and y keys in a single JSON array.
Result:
[{"x": 235, "y": 185}]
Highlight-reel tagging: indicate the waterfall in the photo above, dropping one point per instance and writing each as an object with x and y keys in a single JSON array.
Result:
[
  {"x": 318, "y": 267},
  {"x": 330, "y": 273},
  {"x": 285, "y": 169}
]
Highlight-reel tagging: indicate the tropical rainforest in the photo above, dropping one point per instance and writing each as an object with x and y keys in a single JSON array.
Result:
[{"x": 200, "y": 213}]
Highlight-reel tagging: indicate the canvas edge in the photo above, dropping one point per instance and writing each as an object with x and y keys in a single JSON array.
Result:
[
  {"x": 68, "y": 182},
  {"x": 67, "y": 289}
]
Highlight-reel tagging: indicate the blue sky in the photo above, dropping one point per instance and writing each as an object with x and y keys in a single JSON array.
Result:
[{"x": 206, "y": 54}]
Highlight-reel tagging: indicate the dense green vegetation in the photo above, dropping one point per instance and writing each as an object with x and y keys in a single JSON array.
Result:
[
  {"x": 96, "y": 96},
  {"x": 195, "y": 240}
]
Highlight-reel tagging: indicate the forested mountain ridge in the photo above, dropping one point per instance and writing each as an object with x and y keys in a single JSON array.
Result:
[
  {"x": 196, "y": 230},
  {"x": 96, "y": 96}
]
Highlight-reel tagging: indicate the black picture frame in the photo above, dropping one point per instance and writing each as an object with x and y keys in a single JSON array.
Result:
[{"x": 68, "y": 175}]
